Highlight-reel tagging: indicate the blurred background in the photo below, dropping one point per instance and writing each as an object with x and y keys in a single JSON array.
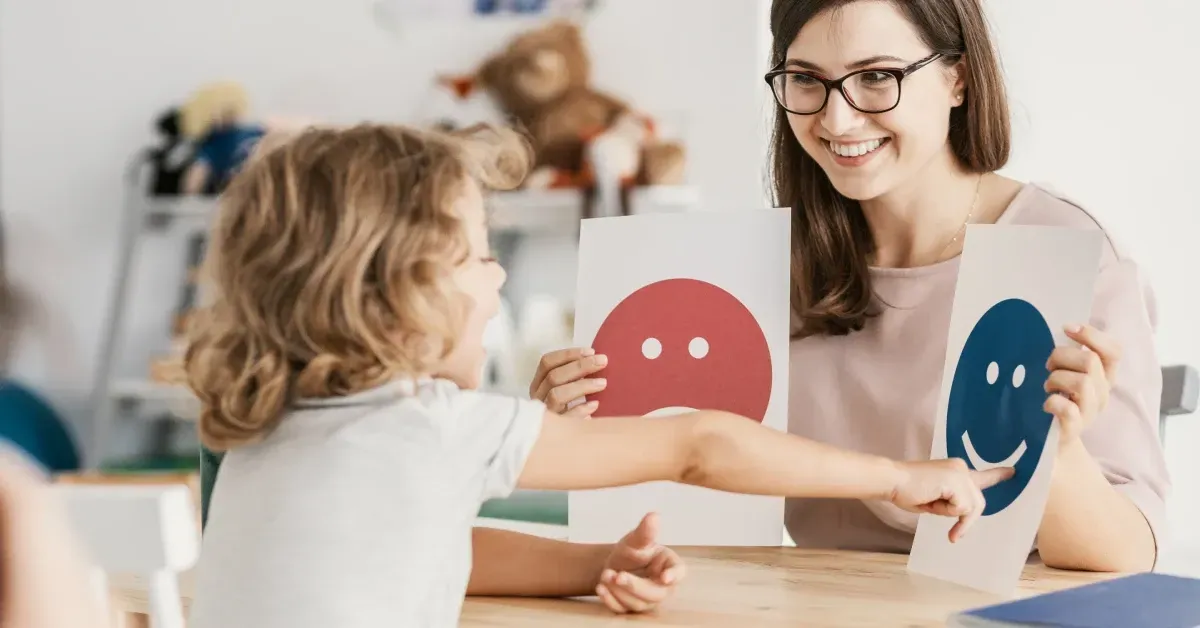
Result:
[{"x": 105, "y": 105}]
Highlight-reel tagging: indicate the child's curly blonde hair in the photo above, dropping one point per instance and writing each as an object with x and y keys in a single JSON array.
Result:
[{"x": 330, "y": 263}]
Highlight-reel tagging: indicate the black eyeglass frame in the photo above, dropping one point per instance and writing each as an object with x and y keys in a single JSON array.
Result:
[{"x": 831, "y": 84}]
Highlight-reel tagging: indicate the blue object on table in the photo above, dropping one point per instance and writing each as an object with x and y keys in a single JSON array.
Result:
[
  {"x": 1144, "y": 600},
  {"x": 29, "y": 423}
]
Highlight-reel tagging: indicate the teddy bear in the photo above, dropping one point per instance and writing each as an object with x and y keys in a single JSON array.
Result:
[{"x": 582, "y": 137}]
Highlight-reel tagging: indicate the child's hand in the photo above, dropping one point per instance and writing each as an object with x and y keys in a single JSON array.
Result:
[
  {"x": 946, "y": 487},
  {"x": 640, "y": 573}
]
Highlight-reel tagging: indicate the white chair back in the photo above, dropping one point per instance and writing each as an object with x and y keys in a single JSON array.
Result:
[{"x": 151, "y": 532}]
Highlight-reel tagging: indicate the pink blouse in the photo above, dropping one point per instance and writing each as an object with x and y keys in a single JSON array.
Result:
[{"x": 877, "y": 390}]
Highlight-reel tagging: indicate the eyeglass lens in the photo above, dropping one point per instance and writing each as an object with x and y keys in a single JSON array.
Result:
[{"x": 868, "y": 91}]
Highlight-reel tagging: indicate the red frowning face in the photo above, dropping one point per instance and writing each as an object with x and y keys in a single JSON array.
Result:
[{"x": 683, "y": 344}]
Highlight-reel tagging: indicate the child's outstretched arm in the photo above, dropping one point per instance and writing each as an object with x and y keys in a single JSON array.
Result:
[{"x": 731, "y": 453}]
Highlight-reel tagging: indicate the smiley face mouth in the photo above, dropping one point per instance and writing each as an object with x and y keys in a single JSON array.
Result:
[
  {"x": 979, "y": 464},
  {"x": 668, "y": 411}
]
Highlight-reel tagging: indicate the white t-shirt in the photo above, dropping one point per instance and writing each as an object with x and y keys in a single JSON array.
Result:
[{"x": 357, "y": 511}]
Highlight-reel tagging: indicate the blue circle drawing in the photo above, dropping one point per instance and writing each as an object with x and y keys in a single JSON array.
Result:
[{"x": 995, "y": 416}]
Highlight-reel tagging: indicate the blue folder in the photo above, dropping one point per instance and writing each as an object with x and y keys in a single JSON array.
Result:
[{"x": 1138, "y": 601}]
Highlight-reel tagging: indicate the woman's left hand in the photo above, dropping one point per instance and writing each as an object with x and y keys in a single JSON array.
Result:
[{"x": 1082, "y": 378}]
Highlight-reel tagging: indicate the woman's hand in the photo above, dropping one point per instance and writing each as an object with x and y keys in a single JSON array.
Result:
[
  {"x": 564, "y": 376},
  {"x": 1080, "y": 380},
  {"x": 947, "y": 488},
  {"x": 639, "y": 573}
]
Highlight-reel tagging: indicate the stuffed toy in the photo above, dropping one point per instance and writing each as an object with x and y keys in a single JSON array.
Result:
[
  {"x": 171, "y": 159},
  {"x": 581, "y": 136},
  {"x": 214, "y": 119},
  {"x": 454, "y": 104}
]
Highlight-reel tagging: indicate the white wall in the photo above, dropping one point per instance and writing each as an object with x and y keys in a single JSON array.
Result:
[
  {"x": 83, "y": 80},
  {"x": 1105, "y": 111}
]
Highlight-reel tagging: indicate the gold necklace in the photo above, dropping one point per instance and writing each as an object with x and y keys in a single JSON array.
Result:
[{"x": 966, "y": 221}]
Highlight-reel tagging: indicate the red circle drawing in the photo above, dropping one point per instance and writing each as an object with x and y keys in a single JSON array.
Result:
[{"x": 683, "y": 343}]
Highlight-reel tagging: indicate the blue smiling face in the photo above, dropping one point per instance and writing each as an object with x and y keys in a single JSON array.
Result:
[{"x": 995, "y": 416}]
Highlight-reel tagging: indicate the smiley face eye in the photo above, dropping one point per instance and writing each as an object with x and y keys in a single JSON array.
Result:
[
  {"x": 993, "y": 372},
  {"x": 651, "y": 348},
  {"x": 1018, "y": 376},
  {"x": 698, "y": 347}
]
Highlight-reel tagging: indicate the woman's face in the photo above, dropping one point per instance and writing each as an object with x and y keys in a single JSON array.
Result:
[{"x": 868, "y": 155}]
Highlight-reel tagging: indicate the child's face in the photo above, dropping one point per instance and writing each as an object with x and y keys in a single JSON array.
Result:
[{"x": 480, "y": 278}]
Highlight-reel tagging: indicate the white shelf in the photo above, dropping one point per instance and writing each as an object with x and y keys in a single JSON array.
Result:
[
  {"x": 179, "y": 401},
  {"x": 559, "y": 211},
  {"x": 554, "y": 211},
  {"x": 147, "y": 390},
  {"x": 181, "y": 207}
]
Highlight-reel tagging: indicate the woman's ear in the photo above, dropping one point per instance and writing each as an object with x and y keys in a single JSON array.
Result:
[{"x": 958, "y": 82}]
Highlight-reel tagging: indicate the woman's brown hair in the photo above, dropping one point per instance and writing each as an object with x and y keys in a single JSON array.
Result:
[
  {"x": 330, "y": 266},
  {"x": 831, "y": 241}
]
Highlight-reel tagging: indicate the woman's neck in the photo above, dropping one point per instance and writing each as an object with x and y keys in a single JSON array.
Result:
[{"x": 923, "y": 221}]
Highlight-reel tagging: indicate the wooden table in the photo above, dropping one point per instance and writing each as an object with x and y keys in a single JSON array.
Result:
[{"x": 761, "y": 587}]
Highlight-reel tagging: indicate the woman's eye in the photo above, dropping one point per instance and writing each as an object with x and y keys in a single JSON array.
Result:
[
  {"x": 802, "y": 80},
  {"x": 876, "y": 78}
]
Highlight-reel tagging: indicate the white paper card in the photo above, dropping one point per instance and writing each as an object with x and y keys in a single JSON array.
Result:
[
  {"x": 692, "y": 310},
  {"x": 1018, "y": 287}
]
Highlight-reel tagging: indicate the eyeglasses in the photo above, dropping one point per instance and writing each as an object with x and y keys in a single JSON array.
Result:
[{"x": 873, "y": 90}]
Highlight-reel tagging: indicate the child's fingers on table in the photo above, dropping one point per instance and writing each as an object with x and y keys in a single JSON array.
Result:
[
  {"x": 634, "y": 593},
  {"x": 644, "y": 589},
  {"x": 555, "y": 359},
  {"x": 666, "y": 567},
  {"x": 606, "y": 597}
]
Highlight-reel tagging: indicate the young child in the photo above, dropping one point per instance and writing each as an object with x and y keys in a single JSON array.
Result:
[{"x": 336, "y": 367}]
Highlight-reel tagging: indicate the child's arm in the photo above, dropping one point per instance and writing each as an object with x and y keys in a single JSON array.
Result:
[
  {"x": 731, "y": 453},
  {"x": 509, "y": 563},
  {"x": 633, "y": 575}
]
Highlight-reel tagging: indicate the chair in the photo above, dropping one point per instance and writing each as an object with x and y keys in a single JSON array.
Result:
[
  {"x": 1180, "y": 393},
  {"x": 149, "y": 532}
]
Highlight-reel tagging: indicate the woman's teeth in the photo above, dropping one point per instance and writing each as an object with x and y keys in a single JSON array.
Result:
[{"x": 855, "y": 150}]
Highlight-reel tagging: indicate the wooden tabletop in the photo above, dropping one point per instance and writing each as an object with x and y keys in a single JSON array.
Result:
[{"x": 761, "y": 587}]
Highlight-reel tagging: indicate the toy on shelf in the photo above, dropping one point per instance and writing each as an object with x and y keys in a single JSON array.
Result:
[
  {"x": 171, "y": 159},
  {"x": 583, "y": 137},
  {"x": 214, "y": 118}
]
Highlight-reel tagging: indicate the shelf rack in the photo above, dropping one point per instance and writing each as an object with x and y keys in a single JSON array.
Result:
[{"x": 513, "y": 215}]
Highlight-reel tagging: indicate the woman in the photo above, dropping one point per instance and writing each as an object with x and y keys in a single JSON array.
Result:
[{"x": 883, "y": 183}]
